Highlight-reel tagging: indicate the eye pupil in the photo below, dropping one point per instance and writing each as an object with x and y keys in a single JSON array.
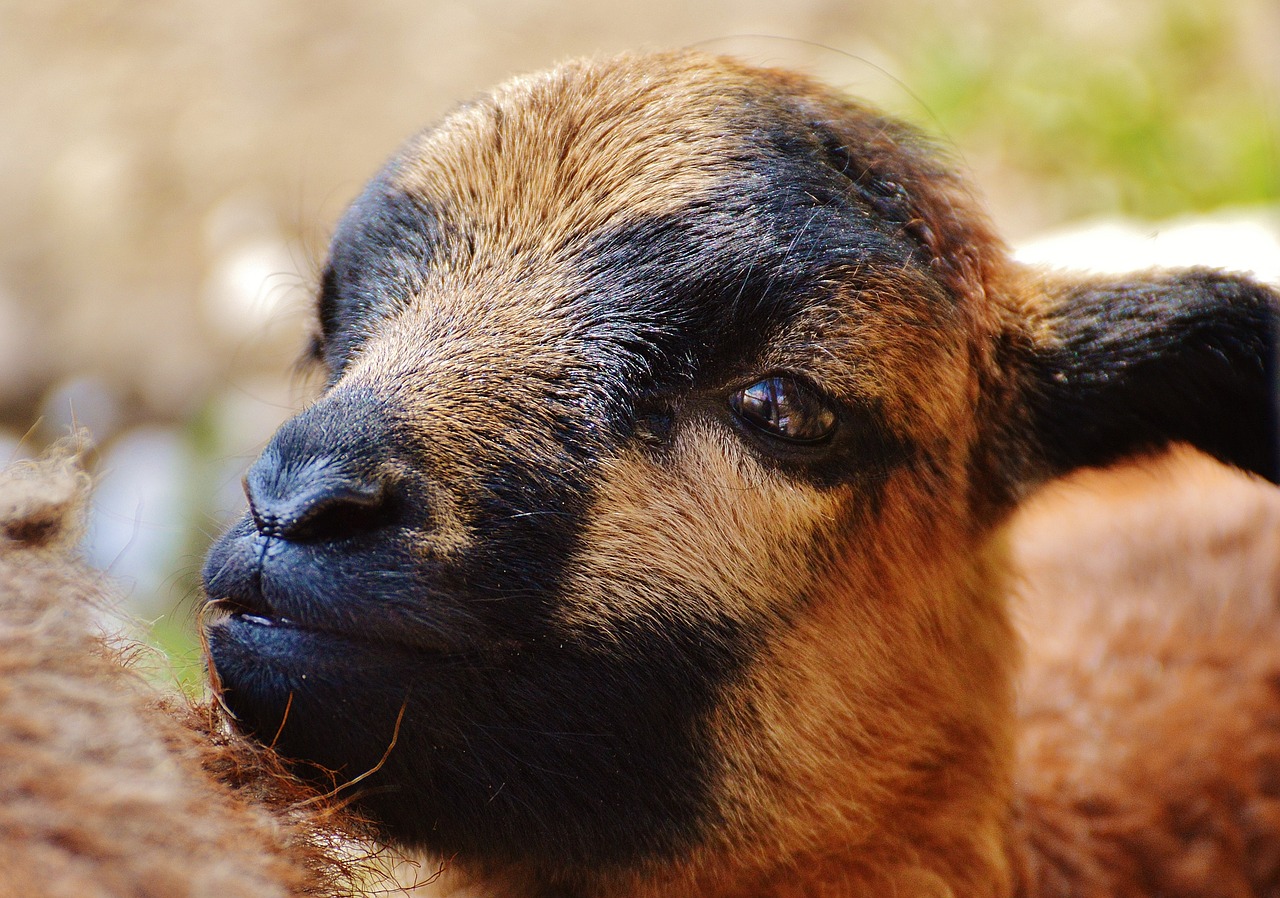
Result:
[{"x": 783, "y": 407}]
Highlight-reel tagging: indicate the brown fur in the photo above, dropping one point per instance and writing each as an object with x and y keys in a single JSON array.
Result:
[
  {"x": 109, "y": 788},
  {"x": 1149, "y": 736}
]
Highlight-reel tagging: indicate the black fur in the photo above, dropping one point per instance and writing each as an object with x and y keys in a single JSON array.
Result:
[
  {"x": 725, "y": 292},
  {"x": 380, "y": 253},
  {"x": 1187, "y": 357}
]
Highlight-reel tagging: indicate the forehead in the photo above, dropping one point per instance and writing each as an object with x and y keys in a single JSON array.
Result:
[
  {"x": 597, "y": 142},
  {"x": 669, "y": 201}
]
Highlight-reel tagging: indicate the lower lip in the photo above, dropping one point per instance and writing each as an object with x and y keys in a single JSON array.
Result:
[
  {"x": 258, "y": 620},
  {"x": 262, "y": 661},
  {"x": 283, "y": 639},
  {"x": 270, "y": 640}
]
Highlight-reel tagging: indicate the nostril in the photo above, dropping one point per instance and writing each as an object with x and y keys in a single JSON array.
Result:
[
  {"x": 315, "y": 505},
  {"x": 326, "y": 473},
  {"x": 350, "y": 511}
]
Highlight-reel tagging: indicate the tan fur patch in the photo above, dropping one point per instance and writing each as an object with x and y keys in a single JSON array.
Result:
[
  {"x": 711, "y": 519},
  {"x": 548, "y": 158}
]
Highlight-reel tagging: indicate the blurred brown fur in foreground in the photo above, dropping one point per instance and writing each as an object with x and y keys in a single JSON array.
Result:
[{"x": 108, "y": 787}]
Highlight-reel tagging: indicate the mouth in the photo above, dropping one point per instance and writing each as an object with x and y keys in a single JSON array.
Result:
[
  {"x": 259, "y": 621},
  {"x": 257, "y": 625},
  {"x": 299, "y": 597},
  {"x": 225, "y": 611},
  {"x": 260, "y": 636},
  {"x": 262, "y": 664},
  {"x": 219, "y": 610}
]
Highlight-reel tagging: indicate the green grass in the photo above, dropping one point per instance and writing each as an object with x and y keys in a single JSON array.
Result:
[{"x": 1166, "y": 121}]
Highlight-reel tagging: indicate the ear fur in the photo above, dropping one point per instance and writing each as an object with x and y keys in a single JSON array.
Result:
[{"x": 1129, "y": 366}]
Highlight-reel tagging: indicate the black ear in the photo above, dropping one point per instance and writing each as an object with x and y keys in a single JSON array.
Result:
[{"x": 1131, "y": 366}]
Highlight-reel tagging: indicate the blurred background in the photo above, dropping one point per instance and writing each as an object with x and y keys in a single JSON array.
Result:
[{"x": 171, "y": 170}]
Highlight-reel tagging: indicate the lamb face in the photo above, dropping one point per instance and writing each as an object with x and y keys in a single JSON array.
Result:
[{"x": 640, "y": 533}]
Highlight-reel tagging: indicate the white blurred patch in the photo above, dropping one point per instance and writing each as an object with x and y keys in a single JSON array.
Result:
[
  {"x": 256, "y": 288},
  {"x": 12, "y": 447},
  {"x": 1243, "y": 241},
  {"x": 250, "y": 288},
  {"x": 136, "y": 521}
]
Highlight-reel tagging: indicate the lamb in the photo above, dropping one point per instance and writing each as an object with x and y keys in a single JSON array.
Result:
[{"x": 648, "y": 536}]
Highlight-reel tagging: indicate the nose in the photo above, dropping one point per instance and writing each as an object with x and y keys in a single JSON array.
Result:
[{"x": 322, "y": 476}]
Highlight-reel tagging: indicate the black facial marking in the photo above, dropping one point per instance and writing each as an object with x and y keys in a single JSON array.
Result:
[
  {"x": 381, "y": 250},
  {"x": 703, "y": 291}
]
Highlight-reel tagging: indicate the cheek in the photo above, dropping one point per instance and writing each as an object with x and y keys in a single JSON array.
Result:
[{"x": 704, "y": 534}]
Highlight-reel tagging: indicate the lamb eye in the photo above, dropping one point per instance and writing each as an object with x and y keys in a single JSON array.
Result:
[{"x": 785, "y": 408}]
